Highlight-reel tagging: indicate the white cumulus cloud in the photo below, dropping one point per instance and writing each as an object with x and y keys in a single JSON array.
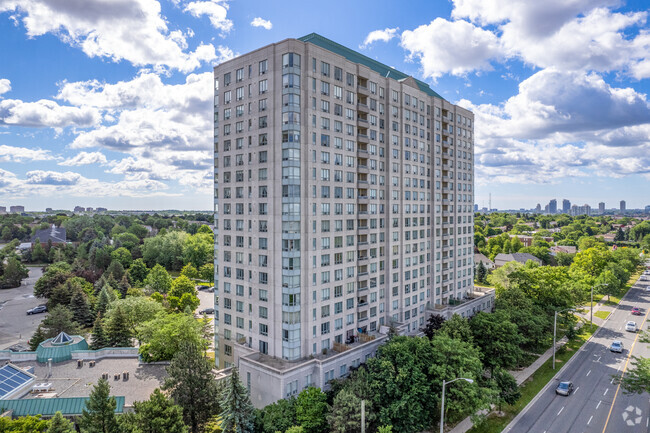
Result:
[
  {"x": 85, "y": 158},
  {"x": 131, "y": 30},
  {"x": 379, "y": 35},
  {"x": 215, "y": 10},
  {"x": 5, "y": 85},
  {"x": 22, "y": 154},
  {"x": 260, "y": 22},
  {"x": 46, "y": 113},
  {"x": 455, "y": 47}
]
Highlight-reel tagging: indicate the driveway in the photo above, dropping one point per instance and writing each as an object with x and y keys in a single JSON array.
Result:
[{"x": 15, "y": 325}]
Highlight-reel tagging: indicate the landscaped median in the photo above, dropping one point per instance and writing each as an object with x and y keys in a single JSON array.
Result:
[{"x": 533, "y": 385}]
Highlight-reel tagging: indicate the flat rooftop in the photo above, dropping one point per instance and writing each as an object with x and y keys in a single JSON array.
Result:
[{"x": 68, "y": 380}]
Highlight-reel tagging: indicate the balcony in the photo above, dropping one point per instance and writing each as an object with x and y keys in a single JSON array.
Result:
[
  {"x": 363, "y": 138},
  {"x": 363, "y": 90},
  {"x": 362, "y": 168},
  {"x": 363, "y": 108}
]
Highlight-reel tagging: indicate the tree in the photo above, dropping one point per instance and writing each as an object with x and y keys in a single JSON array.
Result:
[
  {"x": 104, "y": 300},
  {"x": 165, "y": 249},
  {"x": 99, "y": 414},
  {"x": 118, "y": 331},
  {"x": 99, "y": 339},
  {"x": 198, "y": 249},
  {"x": 434, "y": 323},
  {"x": 192, "y": 386},
  {"x": 481, "y": 272},
  {"x": 138, "y": 272},
  {"x": 507, "y": 386},
  {"x": 637, "y": 379},
  {"x": 206, "y": 272},
  {"x": 237, "y": 412},
  {"x": 38, "y": 337},
  {"x": 24, "y": 424},
  {"x": 190, "y": 271},
  {"x": 457, "y": 327},
  {"x": 80, "y": 308},
  {"x": 500, "y": 276},
  {"x": 564, "y": 259},
  {"x": 127, "y": 240},
  {"x": 135, "y": 310},
  {"x": 14, "y": 273},
  {"x": 498, "y": 339},
  {"x": 159, "y": 414},
  {"x": 38, "y": 253},
  {"x": 620, "y": 235},
  {"x": 278, "y": 416},
  {"x": 123, "y": 256},
  {"x": 182, "y": 285},
  {"x": 58, "y": 424},
  {"x": 60, "y": 319},
  {"x": 162, "y": 337},
  {"x": 115, "y": 270},
  {"x": 345, "y": 416},
  {"x": 311, "y": 410},
  {"x": 158, "y": 280},
  {"x": 57, "y": 273}
]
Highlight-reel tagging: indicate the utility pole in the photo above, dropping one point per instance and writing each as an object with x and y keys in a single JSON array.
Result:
[{"x": 363, "y": 416}]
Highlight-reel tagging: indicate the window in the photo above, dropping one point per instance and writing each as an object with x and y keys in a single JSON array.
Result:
[
  {"x": 263, "y": 66},
  {"x": 325, "y": 69},
  {"x": 263, "y": 86},
  {"x": 239, "y": 75},
  {"x": 290, "y": 60}
]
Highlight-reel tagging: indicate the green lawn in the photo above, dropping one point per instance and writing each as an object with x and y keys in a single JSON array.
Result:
[
  {"x": 602, "y": 314},
  {"x": 495, "y": 424}
]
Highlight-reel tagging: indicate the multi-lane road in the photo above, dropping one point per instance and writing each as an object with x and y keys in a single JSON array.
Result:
[{"x": 598, "y": 404}]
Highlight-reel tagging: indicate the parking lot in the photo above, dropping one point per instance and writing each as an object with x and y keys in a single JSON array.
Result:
[{"x": 15, "y": 325}]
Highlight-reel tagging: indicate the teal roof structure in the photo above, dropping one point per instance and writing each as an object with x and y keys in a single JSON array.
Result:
[
  {"x": 59, "y": 352},
  {"x": 49, "y": 406},
  {"x": 62, "y": 338},
  {"x": 356, "y": 57}
]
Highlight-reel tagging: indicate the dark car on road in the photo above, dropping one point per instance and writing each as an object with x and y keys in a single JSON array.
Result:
[
  {"x": 637, "y": 311},
  {"x": 564, "y": 388},
  {"x": 37, "y": 310}
]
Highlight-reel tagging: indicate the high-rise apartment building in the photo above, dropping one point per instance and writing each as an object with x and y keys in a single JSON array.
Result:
[
  {"x": 343, "y": 195},
  {"x": 552, "y": 206},
  {"x": 601, "y": 208},
  {"x": 566, "y": 206},
  {"x": 622, "y": 206},
  {"x": 16, "y": 209}
]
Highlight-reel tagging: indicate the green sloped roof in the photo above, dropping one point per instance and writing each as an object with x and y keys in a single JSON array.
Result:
[
  {"x": 49, "y": 406},
  {"x": 356, "y": 57}
]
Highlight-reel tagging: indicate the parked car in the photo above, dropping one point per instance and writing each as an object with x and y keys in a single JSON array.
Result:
[
  {"x": 564, "y": 388},
  {"x": 37, "y": 310},
  {"x": 616, "y": 346},
  {"x": 637, "y": 311},
  {"x": 207, "y": 311},
  {"x": 200, "y": 287},
  {"x": 630, "y": 326},
  {"x": 210, "y": 289}
]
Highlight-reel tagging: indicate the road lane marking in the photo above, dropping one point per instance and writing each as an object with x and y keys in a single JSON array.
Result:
[
  {"x": 618, "y": 369},
  {"x": 576, "y": 390},
  {"x": 611, "y": 381},
  {"x": 558, "y": 414},
  {"x": 627, "y": 360},
  {"x": 589, "y": 372},
  {"x": 598, "y": 404},
  {"x": 605, "y": 393},
  {"x": 598, "y": 360},
  {"x": 589, "y": 419}
]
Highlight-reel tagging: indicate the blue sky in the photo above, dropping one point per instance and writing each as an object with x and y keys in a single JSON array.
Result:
[{"x": 108, "y": 102}]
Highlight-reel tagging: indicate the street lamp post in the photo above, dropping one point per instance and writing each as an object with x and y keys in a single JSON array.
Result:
[
  {"x": 555, "y": 330},
  {"x": 591, "y": 317},
  {"x": 442, "y": 405}
]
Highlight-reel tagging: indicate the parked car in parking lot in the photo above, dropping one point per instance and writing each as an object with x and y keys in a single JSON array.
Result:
[
  {"x": 616, "y": 346},
  {"x": 630, "y": 326},
  {"x": 564, "y": 388},
  {"x": 37, "y": 310}
]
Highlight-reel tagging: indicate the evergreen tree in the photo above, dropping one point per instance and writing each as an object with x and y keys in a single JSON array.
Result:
[
  {"x": 58, "y": 424},
  {"x": 620, "y": 236},
  {"x": 481, "y": 272},
  {"x": 192, "y": 386},
  {"x": 237, "y": 412},
  {"x": 38, "y": 337},
  {"x": 118, "y": 332},
  {"x": 99, "y": 414},
  {"x": 60, "y": 319},
  {"x": 80, "y": 308},
  {"x": 116, "y": 270},
  {"x": 159, "y": 414},
  {"x": 99, "y": 339},
  {"x": 123, "y": 286},
  {"x": 103, "y": 301},
  {"x": 345, "y": 416}
]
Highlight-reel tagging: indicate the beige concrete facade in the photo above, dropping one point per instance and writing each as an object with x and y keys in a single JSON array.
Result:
[{"x": 343, "y": 204}]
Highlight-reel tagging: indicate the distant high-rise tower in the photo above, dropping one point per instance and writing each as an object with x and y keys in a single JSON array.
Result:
[
  {"x": 601, "y": 208},
  {"x": 566, "y": 206},
  {"x": 622, "y": 206},
  {"x": 538, "y": 208},
  {"x": 552, "y": 206}
]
